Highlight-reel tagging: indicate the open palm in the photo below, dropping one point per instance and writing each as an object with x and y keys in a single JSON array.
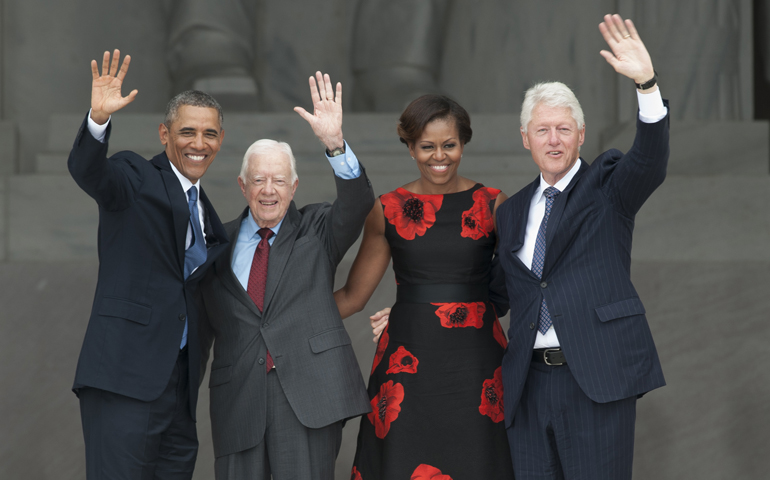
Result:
[
  {"x": 106, "y": 97},
  {"x": 326, "y": 120}
]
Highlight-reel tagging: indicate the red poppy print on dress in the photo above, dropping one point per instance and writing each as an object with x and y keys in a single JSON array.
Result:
[
  {"x": 455, "y": 315},
  {"x": 381, "y": 346},
  {"x": 492, "y": 397},
  {"x": 355, "y": 474},
  {"x": 427, "y": 472},
  {"x": 477, "y": 221},
  {"x": 410, "y": 213},
  {"x": 497, "y": 331},
  {"x": 385, "y": 407},
  {"x": 402, "y": 361}
]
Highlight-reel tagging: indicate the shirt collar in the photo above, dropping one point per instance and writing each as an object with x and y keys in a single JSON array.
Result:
[
  {"x": 186, "y": 183},
  {"x": 561, "y": 184},
  {"x": 250, "y": 227}
]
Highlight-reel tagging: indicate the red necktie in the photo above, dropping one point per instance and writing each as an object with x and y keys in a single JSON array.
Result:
[{"x": 258, "y": 277}]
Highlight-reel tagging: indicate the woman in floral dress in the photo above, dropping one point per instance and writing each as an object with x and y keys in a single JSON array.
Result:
[{"x": 435, "y": 386}]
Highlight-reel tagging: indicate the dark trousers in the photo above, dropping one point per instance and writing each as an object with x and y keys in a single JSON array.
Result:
[
  {"x": 131, "y": 439},
  {"x": 288, "y": 451},
  {"x": 560, "y": 433}
]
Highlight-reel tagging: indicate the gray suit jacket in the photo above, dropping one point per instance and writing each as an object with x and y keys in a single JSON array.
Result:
[{"x": 300, "y": 325}]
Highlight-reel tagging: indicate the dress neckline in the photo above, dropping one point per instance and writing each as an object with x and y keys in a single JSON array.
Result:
[{"x": 474, "y": 187}]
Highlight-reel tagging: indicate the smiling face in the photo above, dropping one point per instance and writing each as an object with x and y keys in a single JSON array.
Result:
[
  {"x": 192, "y": 140},
  {"x": 438, "y": 152},
  {"x": 268, "y": 187},
  {"x": 554, "y": 139}
]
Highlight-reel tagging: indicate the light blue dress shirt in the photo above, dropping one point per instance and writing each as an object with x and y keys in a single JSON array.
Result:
[{"x": 345, "y": 166}]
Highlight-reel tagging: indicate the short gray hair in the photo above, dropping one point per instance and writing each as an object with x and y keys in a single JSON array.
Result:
[
  {"x": 265, "y": 146},
  {"x": 193, "y": 98},
  {"x": 550, "y": 94}
]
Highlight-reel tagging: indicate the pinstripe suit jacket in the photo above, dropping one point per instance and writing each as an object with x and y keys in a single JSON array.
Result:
[
  {"x": 586, "y": 282},
  {"x": 300, "y": 324}
]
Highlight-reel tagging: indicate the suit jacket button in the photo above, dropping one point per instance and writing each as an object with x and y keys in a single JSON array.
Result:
[
  {"x": 266, "y": 324},
  {"x": 182, "y": 317},
  {"x": 543, "y": 284},
  {"x": 261, "y": 361},
  {"x": 531, "y": 326}
]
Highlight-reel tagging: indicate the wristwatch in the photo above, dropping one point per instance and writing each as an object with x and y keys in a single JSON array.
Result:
[
  {"x": 336, "y": 152},
  {"x": 649, "y": 83}
]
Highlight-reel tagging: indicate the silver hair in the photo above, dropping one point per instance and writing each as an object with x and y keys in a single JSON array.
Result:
[
  {"x": 193, "y": 98},
  {"x": 266, "y": 146},
  {"x": 551, "y": 94}
]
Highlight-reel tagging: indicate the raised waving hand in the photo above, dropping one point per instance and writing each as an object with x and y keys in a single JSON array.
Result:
[
  {"x": 106, "y": 97},
  {"x": 326, "y": 119},
  {"x": 629, "y": 56}
]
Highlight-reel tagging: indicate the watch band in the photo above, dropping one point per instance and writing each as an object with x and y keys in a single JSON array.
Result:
[
  {"x": 649, "y": 83},
  {"x": 336, "y": 152}
]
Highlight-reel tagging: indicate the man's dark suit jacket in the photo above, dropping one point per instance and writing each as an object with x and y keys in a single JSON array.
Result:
[
  {"x": 300, "y": 324},
  {"x": 142, "y": 299},
  {"x": 586, "y": 279}
]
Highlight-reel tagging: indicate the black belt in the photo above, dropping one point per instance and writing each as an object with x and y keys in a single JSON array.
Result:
[
  {"x": 549, "y": 356},
  {"x": 442, "y": 293}
]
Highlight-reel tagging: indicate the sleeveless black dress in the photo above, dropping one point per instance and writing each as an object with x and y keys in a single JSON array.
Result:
[{"x": 436, "y": 387}]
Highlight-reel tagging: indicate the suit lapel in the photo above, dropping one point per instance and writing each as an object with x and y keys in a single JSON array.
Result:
[
  {"x": 225, "y": 270},
  {"x": 520, "y": 214},
  {"x": 280, "y": 251},
  {"x": 178, "y": 201},
  {"x": 552, "y": 247}
]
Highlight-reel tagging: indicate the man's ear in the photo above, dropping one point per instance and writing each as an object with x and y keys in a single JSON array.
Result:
[
  {"x": 163, "y": 133},
  {"x": 524, "y": 138}
]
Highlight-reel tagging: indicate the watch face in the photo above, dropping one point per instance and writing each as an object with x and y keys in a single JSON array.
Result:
[{"x": 336, "y": 152}]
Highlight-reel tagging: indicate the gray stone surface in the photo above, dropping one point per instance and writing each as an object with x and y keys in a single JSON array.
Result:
[
  {"x": 701, "y": 148},
  {"x": 3, "y": 217},
  {"x": 8, "y": 147},
  {"x": 708, "y": 319}
]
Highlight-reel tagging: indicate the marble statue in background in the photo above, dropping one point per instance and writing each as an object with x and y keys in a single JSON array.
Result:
[
  {"x": 704, "y": 69},
  {"x": 483, "y": 54},
  {"x": 396, "y": 52},
  {"x": 211, "y": 48}
]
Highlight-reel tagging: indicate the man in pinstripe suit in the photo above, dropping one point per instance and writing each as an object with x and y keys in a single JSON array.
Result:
[{"x": 580, "y": 350}]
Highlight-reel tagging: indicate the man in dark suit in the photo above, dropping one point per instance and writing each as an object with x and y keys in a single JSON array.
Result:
[
  {"x": 137, "y": 376},
  {"x": 284, "y": 375},
  {"x": 580, "y": 350}
]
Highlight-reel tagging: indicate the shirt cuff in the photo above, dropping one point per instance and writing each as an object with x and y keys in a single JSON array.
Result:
[
  {"x": 651, "y": 108},
  {"x": 97, "y": 131},
  {"x": 346, "y": 165}
]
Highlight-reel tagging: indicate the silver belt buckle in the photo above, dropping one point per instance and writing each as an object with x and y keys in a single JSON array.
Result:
[{"x": 545, "y": 357}]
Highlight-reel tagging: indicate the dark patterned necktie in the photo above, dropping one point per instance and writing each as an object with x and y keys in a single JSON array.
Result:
[
  {"x": 195, "y": 254},
  {"x": 538, "y": 259},
  {"x": 258, "y": 277}
]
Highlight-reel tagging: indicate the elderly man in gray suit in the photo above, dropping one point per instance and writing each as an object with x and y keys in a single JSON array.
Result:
[{"x": 284, "y": 376}]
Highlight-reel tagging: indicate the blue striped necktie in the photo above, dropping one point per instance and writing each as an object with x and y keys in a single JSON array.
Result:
[
  {"x": 195, "y": 254},
  {"x": 538, "y": 259}
]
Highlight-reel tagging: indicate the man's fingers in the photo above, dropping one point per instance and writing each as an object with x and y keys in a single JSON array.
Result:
[
  {"x": 94, "y": 69},
  {"x": 304, "y": 114},
  {"x": 321, "y": 88},
  {"x": 338, "y": 98},
  {"x": 314, "y": 96},
  {"x": 329, "y": 87},
  {"x": 105, "y": 63},
  {"x": 131, "y": 96},
  {"x": 114, "y": 64},
  {"x": 124, "y": 68},
  {"x": 632, "y": 29},
  {"x": 610, "y": 58}
]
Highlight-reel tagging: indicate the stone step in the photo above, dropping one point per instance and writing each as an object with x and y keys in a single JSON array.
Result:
[
  {"x": 687, "y": 219},
  {"x": 9, "y": 144},
  {"x": 366, "y": 132},
  {"x": 697, "y": 148},
  {"x": 709, "y": 148}
]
